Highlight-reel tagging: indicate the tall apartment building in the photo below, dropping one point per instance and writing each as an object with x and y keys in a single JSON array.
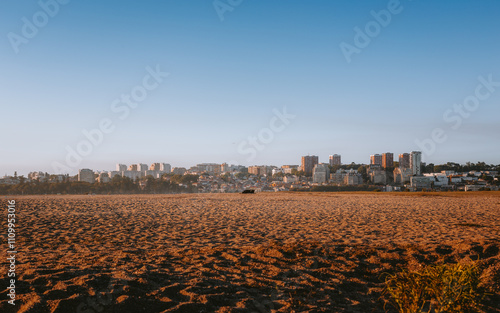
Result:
[
  {"x": 155, "y": 167},
  {"x": 404, "y": 160},
  {"x": 141, "y": 167},
  {"x": 132, "y": 167},
  {"x": 335, "y": 160},
  {"x": 376, "y": 159},
  {"x": 121, "y": 167},
  {"x": 165, "y": 168},
  {"x": 387, "y": 160},
  {"x": 416, "y": 162},
  {"x": 86, "y": 175},
  {"x": 308, "y": 163},
  {"x": 160, "y": 167}
]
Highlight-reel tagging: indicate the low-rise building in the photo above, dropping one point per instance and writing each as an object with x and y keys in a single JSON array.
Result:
[
  {"x": 421, "y": 182},
  {"x": 321, "y": 173}
]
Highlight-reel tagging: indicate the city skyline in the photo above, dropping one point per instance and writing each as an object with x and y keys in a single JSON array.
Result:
[
  {"x": 262, "y": 83},
  {"x": 312, "y": 161}
]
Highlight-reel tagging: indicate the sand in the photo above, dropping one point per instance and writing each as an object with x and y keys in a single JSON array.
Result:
[{"x": 266, "y": 252}]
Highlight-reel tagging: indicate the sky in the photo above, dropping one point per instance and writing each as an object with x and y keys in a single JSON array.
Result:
[{"x": 246, "y": 82}]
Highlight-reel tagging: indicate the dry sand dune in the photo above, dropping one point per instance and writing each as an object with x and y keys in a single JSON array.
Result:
[{"x": 284, "y": 252}]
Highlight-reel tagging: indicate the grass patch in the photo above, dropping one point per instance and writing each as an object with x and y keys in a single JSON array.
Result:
[{"x": 441, "y": 288}]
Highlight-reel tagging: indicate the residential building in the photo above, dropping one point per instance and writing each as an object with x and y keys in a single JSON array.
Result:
[
  {"x": 376, "y": 159},
  {"x": 308, "y": 163},
  {"x": 378, "y": 176},
  {"x": 288, "y": 169},
  {"x": 277, "y": 170},
  {"x": 387, "y": 160},
  {"x": 402, "y": 175},
  {"x": 133, "y": 167},
  {"x": 103, "y": 177},
  {"x": 121, "y": 167},
  {"x": 261, "y": 170},
  {"x": 421, "y": 182},
  {"x": 321, "y": 173},
  {"x": 86, "y": 175},
  {"x": 416, "y": 162},
  {"x": 335, "y": 160},
  {"x": 353, "y": 178},
  {"x": 210, "y": 168},
  {"x": 404, "y": 160},
  {"x": 439, "y": 179}
]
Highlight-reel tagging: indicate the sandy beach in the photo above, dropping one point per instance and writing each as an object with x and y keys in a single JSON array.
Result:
[{"x": 266, "y": 252}]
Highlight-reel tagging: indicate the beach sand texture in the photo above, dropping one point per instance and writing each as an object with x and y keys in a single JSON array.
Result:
[{"x": 265, "y": 252}]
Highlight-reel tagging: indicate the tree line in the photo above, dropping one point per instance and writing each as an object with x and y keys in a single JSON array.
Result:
[{"x": 117, "y": 185}]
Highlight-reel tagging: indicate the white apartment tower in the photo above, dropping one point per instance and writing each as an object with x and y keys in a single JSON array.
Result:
[{"x": 416, "y": 162}]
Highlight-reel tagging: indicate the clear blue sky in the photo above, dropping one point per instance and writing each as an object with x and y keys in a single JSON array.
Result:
[{"x": 226, "y": 77}]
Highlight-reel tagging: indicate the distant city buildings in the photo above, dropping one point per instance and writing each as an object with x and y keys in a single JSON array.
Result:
[
  {"x": 321, "y": 173},
  {"x": 404, "y": 160},
  {"x": 86, "y": 175},
  {"x": 387, "y": 160},
  {"x": 416, "y": 162},
  {"x": 376, "y": 160},
  {"x": 308, "y": 163},
  {"x": 213, "y": 177},
  {"x": 335, "y": 160},
  {"x": 378, "y": 176},
  {"x": 288, "y": 169},
  {"x": 121, "y": 167},
  {"x": 402, "y": 175},
  {"x": 261, "y": 170},
  {"x": 353, "y": 178}
]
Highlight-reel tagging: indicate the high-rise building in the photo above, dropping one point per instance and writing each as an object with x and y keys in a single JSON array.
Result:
[
  {"x": 376, "y": 159},
  {"x": 308, "y": 163},
  {"x": 121, "y": 167},
  {"x": 165, "y": 168},
  {"x": 387, "y": 160},
  {"x": 404, "y": 160},
  {"x": 154, "y": 167},
  {"x": 86, "y": 175},
  {"x": 335, "y": 160},
  {"x": 141, "y": 167},
  {"x": 133, "y": 167},
  {"x": 160, "y": 167},
  {"x": 416, "y": 162}
]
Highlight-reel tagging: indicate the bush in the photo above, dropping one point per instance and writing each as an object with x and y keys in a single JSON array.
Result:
[{"x": 441, "y": 288}]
